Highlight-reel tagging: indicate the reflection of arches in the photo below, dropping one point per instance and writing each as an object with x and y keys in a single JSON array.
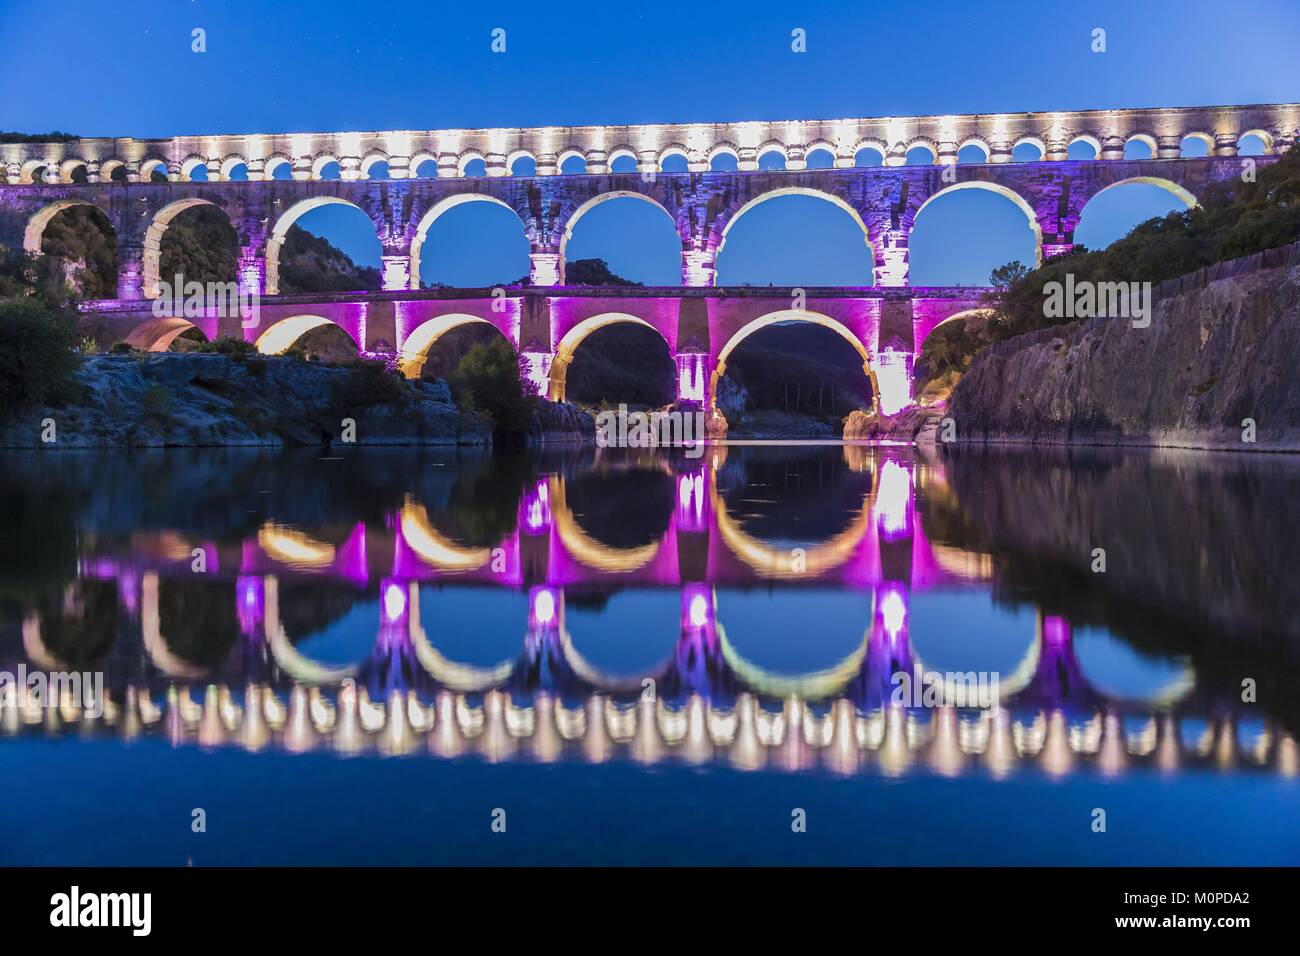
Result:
[
  {"x": 770, "y": 561},
  {"x": 592, "y": 675},
  {"x": 155, "y": 644},
  {"x": 565, "y": 348},
  {"x": 293, "y": 662},
  {"x": 456, "y": 676},
  {"x": 153, "y": 240},
  {"x": 435, "y": 213},
  {"x": 792, "y": 315},
  {"x": 421, "y": 339},
  {"x": 586, "y": 549},
  {"x": 293, "y": 548},
  {"x": 435, "y": 550},
  {"x": 280, "y": 336},
  {"x": 837, "y": 201},
  {"x": 595, "y": 201},
  {"x": 819, "y": 685},
  {"x": 999, "y": 190},
  {"x": 281, "y": 230}
]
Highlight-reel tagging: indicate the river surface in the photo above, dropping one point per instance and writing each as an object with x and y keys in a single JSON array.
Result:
[{"x": 769, "y": 654}]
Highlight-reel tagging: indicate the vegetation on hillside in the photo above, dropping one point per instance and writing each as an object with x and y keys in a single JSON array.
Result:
[{"x": 1233, "y": 220}]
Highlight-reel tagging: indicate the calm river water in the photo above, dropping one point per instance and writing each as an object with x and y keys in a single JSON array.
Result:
[{"x": 771, "y": 653}]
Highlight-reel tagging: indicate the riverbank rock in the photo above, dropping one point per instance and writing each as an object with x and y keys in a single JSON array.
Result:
[
  {"x": 558, "y": 422},
  {"x": 1214, "y": 360},
  {"x": 916, "y": 424},
  {"x": 166, "y": 400}
]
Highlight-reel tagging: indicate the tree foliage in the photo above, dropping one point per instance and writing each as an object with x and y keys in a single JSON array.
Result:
[
  {"x": 490, "y": 379},
  {"x": 37, "y": 361}
]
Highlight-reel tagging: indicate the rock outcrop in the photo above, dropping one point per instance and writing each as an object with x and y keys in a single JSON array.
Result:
[
  {"x": 1215, "y": 358},
  {"x": 209, "y": 399}
]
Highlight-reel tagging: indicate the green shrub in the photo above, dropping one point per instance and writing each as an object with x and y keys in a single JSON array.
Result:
[
  {"x": 229, "y": 346},
  {"x": 37, "y": 357},
  {"x": 488, "y": 379},
  {"x": 367, "y": 383}
]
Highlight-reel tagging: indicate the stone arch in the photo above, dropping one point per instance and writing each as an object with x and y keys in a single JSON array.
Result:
[
  {"x": 1007, "y": 193},
  {"x": 1168, "y": 185},
  {"x": 791, "y": 315},
  {"x": 672, "y": 149},
  {"x": 69, "y": 166},
  {"x": 418, "y": 342},
  {"x": 153, "y": 239},
  {"x": 722, "y": 149},
  {"x": 274, "y": 162},
  {"x": 434, "y": 213},
  {"x": 959, "y": 314},
  {"x": 108, "y": 167},
  {"x": 620, "y": 152},
  {"x": 1200, "y": 136},
  {"x": 565, "y": 348},
  {"x": 512, "y": 158},
  {"x": 571, "y": 220},
  {"x": 821, "y": 146},
  {"x": 467, "y": 157},
  {"x": 157, "y": 335},
  {"x": 35, "y": 229},
  {"x": 1088, "y": 138},
  {"x": 379, "y": 156},
  {"x": 190, "y": 163},
  {"x": 281, "y": 229},
  {"x": 229, "y": 163},
  {"x": 1264, "y": 136},
  {"x": 418, "y": 160},
  {"x": 980, "y": 143},
  {"x": 1030, "y": 140},
  {"x": 925, "y": 143},
  {"x": 877, "y": 146},
  {"x": 773, "y": 146},
  {"x": 571, "y": 152},
  {"x": 722, "y": 226},
  {"x": 148, "y": 166},
  {"x": 319, "y": 163},
  {"x": 1146, "y": 139},
  {"x": 281, "y": 335},
  {"x": 27, "y": 173}
]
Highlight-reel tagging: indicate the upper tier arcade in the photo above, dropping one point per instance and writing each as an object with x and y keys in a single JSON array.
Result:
[{"x": 404, "y": 151}]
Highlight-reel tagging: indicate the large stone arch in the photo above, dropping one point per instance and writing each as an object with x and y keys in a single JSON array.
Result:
[
  {"x": 415, "y": 347},
  {"x": 157, "y": 334},
  {"x": 281, "y": 230},
  {"x": 959, "y": 314},
  {"x": 567, "y": 345},
  {"x": 1178, "y": 191},
  {"x": 723, "y": 224},
  {"x": 790, "y": 315},
  {"x": 998, "y": 189},
  {"x": 440, "y": 208},
  {"x": 572, "y": 218},
  {"x": 281, "y": 334},
  {"x": 153, "y": 239},
  {"x": 34, "y": 231}
]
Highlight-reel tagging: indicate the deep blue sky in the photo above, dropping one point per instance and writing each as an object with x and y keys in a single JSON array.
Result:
[{"x": 94, "y": 68}]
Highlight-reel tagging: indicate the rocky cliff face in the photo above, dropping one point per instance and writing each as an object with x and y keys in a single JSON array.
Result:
[
  {"x": 208, "y": 399},
  {"x": 1211, "y": 358}
]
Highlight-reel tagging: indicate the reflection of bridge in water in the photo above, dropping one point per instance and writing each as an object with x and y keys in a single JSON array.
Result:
[{"x": 706, "y": 702}]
